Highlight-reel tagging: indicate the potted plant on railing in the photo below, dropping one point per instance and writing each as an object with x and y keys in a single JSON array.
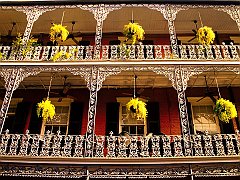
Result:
[
  {"x": 225, "y": 110},
  {"x": 19, "y": 48},
  {"x": 61, "y": 54}
]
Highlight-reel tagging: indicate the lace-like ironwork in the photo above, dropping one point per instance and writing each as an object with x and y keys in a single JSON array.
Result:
[
  {"x": 32, "y": 13},
  {"x": 100, "y": 12},
  {"x": 12, "y": 77}
]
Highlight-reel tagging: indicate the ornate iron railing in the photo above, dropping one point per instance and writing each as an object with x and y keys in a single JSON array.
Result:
[
  {"x": 157, "y": 146},
  {"x": 118, "y": 52}
]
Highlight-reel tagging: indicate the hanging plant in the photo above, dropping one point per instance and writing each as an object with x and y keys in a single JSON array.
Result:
[
  {"x": 205, "y": 35},
  {"x": 225, "y": 110},
  {"x": 133, "y": 32},
  {"x": 58, "y": 32},
  {"x": 46, "y": 110},
  {"x": 137, "y": 108}
]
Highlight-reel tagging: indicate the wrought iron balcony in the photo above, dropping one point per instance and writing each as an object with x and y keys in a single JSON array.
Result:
[
  {"x": 118, "y": 147},
  {"x": 129, "y": 52}
]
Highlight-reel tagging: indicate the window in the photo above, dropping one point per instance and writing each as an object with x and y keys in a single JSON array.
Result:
[
  {"x": 61, "y": 119},
  {"x": 132, "y": 126},
  {"x": 203, "y": 116},
  {"x": 10, "y": 118}
]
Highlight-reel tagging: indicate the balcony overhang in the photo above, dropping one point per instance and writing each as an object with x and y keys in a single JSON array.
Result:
[
  {"x": 120, "y": 161},
  {"x": 53, "y": 2}
]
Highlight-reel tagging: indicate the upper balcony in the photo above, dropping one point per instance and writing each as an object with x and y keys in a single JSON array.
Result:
[
  {"x": 167, "y": 40},
  {"x": 134, "y": 53}
]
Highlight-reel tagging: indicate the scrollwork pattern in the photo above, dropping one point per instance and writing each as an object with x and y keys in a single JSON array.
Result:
[
  {"x": 100, "y": 12},
  {"x": 32, "y": 13}
]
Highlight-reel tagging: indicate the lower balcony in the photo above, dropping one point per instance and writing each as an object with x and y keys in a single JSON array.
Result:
[
  {"x": 124, "y": 147},
  {"x": 152, "y": 156}
]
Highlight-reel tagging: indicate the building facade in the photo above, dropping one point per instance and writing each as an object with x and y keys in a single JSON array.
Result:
[{"x": 91, "y": 135}]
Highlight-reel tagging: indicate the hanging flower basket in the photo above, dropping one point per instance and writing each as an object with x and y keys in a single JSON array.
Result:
[
  {"x": 58, "y": 32},
  {"x": 225, "y": 110},
  {"x": 46, "y": 110},
  {"x": 205, "y": 35},
  {"x": 136, "y": 108},
  {"x": 133, "y": 32}
]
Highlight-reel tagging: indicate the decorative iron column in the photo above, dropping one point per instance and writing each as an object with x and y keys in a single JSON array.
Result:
[
  {"x": 32, "y": 13},
  {"x": 12, "y": 77},
  {"x": 100, "y": 12},
  {"x": 179, "y": 77},
  {"x": 181, "y": 85},
  {"x": 98, "y": 75},
  {"x": 93, "y": 88},
  {"x": 94, "y": 76},
  {"x": 182, "y": 75},
  {"x": 169, "y": 13}
]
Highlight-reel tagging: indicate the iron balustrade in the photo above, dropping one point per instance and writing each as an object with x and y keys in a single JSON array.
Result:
[
  {"x": 156, "y": 146},
  {"x": 126, "y": 52}
]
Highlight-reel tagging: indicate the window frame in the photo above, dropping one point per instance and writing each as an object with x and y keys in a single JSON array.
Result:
[
  {"x": 204, "y": 102},
  {"x": 65, "y": 102},
  {"x": 123, "y": 101}
]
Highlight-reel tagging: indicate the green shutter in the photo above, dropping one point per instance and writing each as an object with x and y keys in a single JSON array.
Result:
[
  {"x": 112, "y": 118},
  {"x": 75, "y": 121},
  {"x": 35, "y": 122},
  {"x": 20, "y": 117},
  {"x": 153, "y": 125},
  {"x": 190, "y": 119}
]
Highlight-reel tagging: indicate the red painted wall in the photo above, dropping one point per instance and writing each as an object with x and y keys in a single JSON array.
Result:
[
  {"x": 168, "y": 108},
  {"x": 167, "y": 98}
]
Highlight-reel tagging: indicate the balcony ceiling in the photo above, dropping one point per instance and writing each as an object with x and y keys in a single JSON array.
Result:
[
  {"x": 151, "y": 20},
  {"x": 126, "y": 79}
]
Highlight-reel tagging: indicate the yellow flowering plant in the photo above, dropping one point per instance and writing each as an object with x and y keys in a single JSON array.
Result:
[
  {"x": 58, "y": 32},
  {"x": 225, "y": 110},
  {"x": 122, "y": 48},
  {"x": 19, "y": 46},
  {"x": 205, "y": 35},
  {"x": 61, "y": 54},
  {"x": 46, "y": 110},
  {"x": 133, "y": 32},
  {"x": 137, "y": 108}
]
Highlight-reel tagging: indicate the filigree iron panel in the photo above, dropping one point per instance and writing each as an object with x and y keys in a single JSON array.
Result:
[
  {"x": 12, "y": 77},
  {"x": 100, "y": 12},
  {"x": 158, "y": 171},
  {"x": 32, "y": 13},
  {"x": 30, "y": 170}
]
